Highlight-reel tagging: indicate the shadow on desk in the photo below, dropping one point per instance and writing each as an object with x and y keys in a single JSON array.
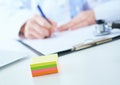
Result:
[{"x": 13, "y": 63}]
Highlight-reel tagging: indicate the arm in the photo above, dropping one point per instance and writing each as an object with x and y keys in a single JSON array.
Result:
[{"x": 109, "y": 11}]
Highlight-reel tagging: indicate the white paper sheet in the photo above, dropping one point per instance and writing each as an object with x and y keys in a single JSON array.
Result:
[{"x": 66, "y": 40}]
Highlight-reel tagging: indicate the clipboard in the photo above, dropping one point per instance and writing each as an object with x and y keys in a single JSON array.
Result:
[{"x": 69, "y": 41}]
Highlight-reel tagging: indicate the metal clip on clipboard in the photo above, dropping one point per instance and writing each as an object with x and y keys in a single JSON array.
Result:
[{"x": 94, "y": 43}]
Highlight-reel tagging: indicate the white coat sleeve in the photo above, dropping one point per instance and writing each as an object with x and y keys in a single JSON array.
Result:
[
  {"x": 14, "y": 14},
  {"x": 109, "y": 11}
]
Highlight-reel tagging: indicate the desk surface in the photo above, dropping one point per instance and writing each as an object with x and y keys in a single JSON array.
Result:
[{"x": 98, "y": 65}]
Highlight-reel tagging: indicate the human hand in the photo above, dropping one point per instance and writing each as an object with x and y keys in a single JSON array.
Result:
[
  {"x": 83, "y": 19},
  {"x": 37, "y": 28}
]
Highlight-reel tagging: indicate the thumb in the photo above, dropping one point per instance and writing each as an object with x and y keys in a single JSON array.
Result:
[{"x": 54, "y": 26}]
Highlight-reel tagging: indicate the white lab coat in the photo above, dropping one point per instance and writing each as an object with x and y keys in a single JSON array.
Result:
[{"x": 14, "y": 13}]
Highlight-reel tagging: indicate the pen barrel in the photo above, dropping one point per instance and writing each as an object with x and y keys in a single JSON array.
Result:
[
  {"x": 83, "y": 46},
  {"x": 101, "y": 41},
  {"x": 94, "y": 43}
]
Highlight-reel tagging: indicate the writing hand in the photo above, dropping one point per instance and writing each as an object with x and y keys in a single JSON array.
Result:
[{"x": 38, "y": 28}]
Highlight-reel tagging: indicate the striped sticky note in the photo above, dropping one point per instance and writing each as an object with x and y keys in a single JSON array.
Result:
[{"x": 44, "y": 65}]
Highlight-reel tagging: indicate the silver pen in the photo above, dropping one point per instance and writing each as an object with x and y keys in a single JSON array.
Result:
[{"x": 94, "y": 43}]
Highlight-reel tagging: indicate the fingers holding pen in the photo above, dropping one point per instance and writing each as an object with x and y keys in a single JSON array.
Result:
[
  {"x": 49, "y": 24},
  {"x": 35, "y": 31},
  {"x": 38, "y": 28}
]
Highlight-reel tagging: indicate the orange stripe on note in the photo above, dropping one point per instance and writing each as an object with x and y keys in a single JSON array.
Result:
[{"x": 44, "y": 71}]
